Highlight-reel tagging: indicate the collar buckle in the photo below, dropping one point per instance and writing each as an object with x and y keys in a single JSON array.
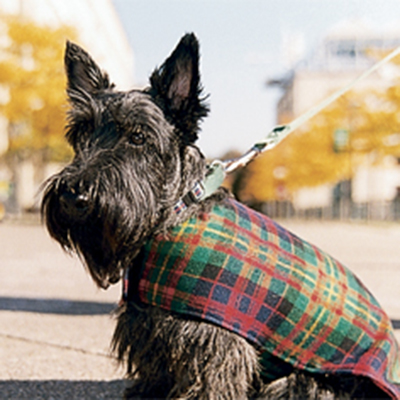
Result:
[{"x": 203, "y": 189}]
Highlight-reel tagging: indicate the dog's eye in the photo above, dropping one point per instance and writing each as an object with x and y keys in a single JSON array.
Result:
[{"x": 137, "y": 137}]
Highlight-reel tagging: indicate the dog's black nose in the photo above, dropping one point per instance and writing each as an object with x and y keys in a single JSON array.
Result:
[{"x": 75, "y": 205}]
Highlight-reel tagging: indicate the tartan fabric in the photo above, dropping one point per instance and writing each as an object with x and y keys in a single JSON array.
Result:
[{"x": 238, "y": 269}]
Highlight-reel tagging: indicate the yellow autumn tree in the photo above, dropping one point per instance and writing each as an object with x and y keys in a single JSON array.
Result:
[
  {"x": 369, "y": 122},
  {"x": 306, "y": 158},
  {"x": 381, "y": 131},
  {"x": 32, "y": 83}
]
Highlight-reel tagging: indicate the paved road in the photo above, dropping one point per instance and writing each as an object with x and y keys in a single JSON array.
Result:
[{"x": 55, "y": 326}]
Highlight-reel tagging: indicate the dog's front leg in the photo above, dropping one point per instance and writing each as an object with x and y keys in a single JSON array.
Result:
[{"x": 172, "y": 357}]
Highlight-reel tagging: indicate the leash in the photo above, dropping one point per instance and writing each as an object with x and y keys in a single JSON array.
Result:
[{"x": 218, "y": 169}]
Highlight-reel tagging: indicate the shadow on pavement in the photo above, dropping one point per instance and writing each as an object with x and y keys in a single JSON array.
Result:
[
  {"x": 61, "y": 389},
  {"x": 70, "y": 307},
  {"x": 55, "y": 306}
]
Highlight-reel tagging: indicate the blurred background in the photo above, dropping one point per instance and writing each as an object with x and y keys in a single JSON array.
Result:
[{"x": 263, "y": 63}]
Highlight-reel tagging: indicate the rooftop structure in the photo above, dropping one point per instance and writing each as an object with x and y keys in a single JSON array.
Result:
[{"x": 341, "y": 56}]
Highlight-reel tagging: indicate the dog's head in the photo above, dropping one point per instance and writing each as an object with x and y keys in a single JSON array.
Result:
[{"x": 134, "y": 157}]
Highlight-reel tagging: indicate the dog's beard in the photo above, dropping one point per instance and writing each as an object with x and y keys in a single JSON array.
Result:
[{"x": 108, "y": 238}]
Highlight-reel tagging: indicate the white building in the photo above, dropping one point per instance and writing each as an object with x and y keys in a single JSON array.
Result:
[
  {"x": 97, "y": 23},
  {"x": 340, "y": 58}
]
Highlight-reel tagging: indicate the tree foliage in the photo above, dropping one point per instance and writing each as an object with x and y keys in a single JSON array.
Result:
[
  {"x": 32, "y": 87},
  {"x": 308, "y": 157}
]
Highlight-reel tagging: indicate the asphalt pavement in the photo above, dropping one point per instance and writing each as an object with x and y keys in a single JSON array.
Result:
[{"x": 56, "y": 326}]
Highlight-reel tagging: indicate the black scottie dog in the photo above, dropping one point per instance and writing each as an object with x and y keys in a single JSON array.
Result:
[{"x": 219, "y": 302}]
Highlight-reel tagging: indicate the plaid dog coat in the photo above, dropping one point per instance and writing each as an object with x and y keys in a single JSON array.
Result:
[{"x": 238, "y": 269}]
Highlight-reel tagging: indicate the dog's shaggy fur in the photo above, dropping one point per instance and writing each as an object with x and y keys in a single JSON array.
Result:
[{"x": 134, "y": 159}]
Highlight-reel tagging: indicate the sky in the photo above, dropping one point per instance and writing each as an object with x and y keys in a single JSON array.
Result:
[{"x": 243, "y": 44}]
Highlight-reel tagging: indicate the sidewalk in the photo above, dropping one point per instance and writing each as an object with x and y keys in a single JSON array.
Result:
[{"x": 55, "y": 326}]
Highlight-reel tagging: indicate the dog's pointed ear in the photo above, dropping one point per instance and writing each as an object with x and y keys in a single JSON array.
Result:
[
  {"x": 83, "y": 75},
  {"x": 176, "y": 88}
]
